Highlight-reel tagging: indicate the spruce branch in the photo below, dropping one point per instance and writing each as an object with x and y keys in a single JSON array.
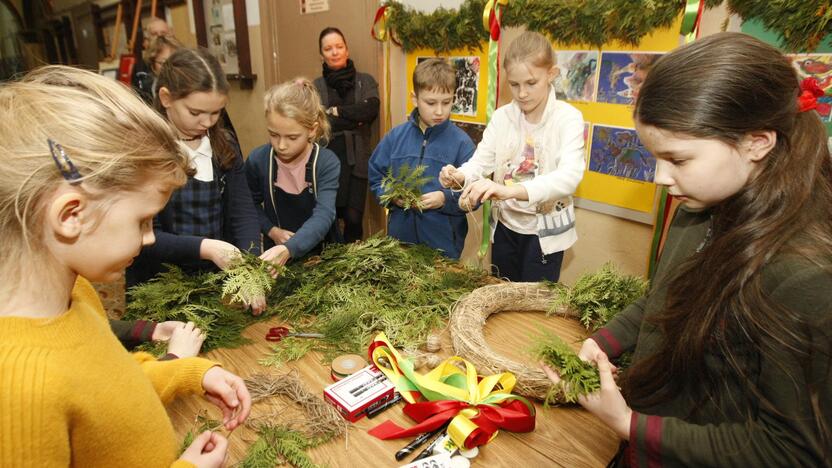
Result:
[{"x": 405, "y": 186}]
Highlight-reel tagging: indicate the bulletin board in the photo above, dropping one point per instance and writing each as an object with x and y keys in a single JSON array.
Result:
[
  {"x": 472, "y": 82},
  {"x": 619, "y": 173}
]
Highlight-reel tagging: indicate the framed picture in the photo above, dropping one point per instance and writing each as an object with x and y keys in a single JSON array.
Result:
[
  {"x": 577, "y": 75},
  {"x": 622, "y": 74}
]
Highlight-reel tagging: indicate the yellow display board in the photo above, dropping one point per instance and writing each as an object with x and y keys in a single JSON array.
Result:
[
  {"x": 608, "y": 189},
  {"x": 617, "y": 189}
]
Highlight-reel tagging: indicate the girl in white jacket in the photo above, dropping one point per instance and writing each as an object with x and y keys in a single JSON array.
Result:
[{"x": 534, "y": 147}]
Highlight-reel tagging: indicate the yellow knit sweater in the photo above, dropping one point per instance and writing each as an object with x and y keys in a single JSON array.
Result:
[{"x": 71, "y": 395}]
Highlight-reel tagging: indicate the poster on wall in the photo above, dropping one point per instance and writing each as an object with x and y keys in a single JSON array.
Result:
[
  {"x": 577, "y": 75},
  {"x": 819, "y": 67},
  {"x": 222, "y": 38},
  {"x": 617, "y": 151},
  {"x": 313, "y": 6},
  {"x": 622, "y": 74},
  {"x": 467, "y": 77}
]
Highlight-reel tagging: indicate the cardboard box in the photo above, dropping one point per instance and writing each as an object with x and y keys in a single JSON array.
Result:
[{"x": 352, "y": 396}]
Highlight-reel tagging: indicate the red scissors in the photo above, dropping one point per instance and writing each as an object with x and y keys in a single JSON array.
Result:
[{"x": 278, "y": 333}]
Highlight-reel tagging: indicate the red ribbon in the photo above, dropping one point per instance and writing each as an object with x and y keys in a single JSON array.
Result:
[
  {"x": 494, "y": 22},
  {"x": 512, "y": 416},
  {"x": 810, "y": 92}
]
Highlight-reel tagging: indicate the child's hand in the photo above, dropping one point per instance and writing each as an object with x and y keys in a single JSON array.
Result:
[
  {"x": 607, "y": 404},
  {"x": 280, "y": 236},
  {"x": 164, "y": 330},
  {"x": 229, "y": 393},
  {"x": 208, "y": 450},
  {"x": 186, "y": 340},
  {"x": 451, "y": 177},
  {"x": 432, "y": 200},
  {"x": 486, "y": 189},
  {"x": 220, "y": 252},
  {"x": 257, "y": 305}
]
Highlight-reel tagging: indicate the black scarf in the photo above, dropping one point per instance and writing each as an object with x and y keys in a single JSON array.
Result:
[{"x": 341, "y": 80}]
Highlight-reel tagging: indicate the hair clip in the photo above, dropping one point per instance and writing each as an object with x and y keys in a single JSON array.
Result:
[
  {"x": 68, "y": 170},
  {"x": 810, "y": 92}
]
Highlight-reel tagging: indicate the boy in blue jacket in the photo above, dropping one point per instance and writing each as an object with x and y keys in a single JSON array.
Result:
[{"x": 430, "y": 139}]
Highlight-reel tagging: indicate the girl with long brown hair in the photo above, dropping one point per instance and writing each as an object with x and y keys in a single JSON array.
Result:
[
  {"x": 731, "y": 345},
  {"x": 209, "y": 220}
]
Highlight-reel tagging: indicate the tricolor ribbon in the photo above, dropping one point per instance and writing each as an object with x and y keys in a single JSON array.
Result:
[
  {"x": 476, "y": 406},
  {"x": 491, "y": 16},
  {"x": 692, "y": 18},
  {"x": 382, "y": 33}
]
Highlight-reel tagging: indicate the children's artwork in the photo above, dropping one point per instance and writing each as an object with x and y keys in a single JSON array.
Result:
[
  {"x": 617, "y": 151},
  {"x": 622, "y": 74},
  {"x": 467, "y": 77},
  {"x": 578, "y": 72},
  {"x": 818, "y": 67}
]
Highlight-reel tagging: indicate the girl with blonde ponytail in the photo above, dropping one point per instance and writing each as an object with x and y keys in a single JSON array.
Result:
[{"x": 293, "y": 179}]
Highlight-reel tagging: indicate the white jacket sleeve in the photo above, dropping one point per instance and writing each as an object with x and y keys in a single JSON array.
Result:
[
  {"x": 564, "y": 179},
  {"x": 483, "y": 162}
]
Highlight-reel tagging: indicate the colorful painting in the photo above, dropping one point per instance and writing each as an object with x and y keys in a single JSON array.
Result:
[
  {"x": 467, "y": 77},
  {"x": 578, "y": 72},
  {"x": 819, "y": 68},
  {"x": 622, "y": 74},
  {"x": 617, "y": 151}
]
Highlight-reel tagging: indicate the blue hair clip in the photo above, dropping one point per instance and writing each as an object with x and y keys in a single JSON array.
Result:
[{"x": 68, "y": 170}]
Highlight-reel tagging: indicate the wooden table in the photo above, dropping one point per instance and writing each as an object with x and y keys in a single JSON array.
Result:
[{"x": 564, "y": 436}]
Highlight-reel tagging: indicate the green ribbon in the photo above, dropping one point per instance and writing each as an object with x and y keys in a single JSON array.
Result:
[
  {"x": 490, "y": 105},
  {"x": 691, "y": 12}
]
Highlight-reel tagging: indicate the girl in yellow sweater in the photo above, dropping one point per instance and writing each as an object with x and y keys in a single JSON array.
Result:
[{"x": 85, "y": 166}]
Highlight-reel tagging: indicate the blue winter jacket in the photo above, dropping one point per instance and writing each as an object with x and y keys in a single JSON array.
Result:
[
  {"x": 325, "y": 185},
  {"x": 443, "y": 228}
]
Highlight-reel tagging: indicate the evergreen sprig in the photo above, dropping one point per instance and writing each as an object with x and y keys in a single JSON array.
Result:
[
  {"x": 280, "y": 444},
  {"x": 405, "y": 186},
  {"x": 176, "y": 295},
  {"x": 569, "y": 22},
  {"x": 246, "y": 279},
  {"x": 577, "y": 377},
  {"x": 599, "y": 296}
]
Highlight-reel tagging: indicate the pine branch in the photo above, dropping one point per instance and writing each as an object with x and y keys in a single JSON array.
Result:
[
  {"x": 599, "y": 296},
  {"x": 405, "y": 186},
  {"x": 577, "y": 377}
]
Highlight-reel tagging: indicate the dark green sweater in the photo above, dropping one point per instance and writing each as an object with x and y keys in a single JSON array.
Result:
[{"x": 680, "y": 432}]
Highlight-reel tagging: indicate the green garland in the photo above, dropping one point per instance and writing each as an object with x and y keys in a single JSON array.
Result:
[
  {"x": 801, "y": 23},
  {"x": 569, "y": 22}
]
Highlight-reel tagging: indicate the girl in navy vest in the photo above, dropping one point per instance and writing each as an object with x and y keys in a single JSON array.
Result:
[
  {"x": 208, "y": 221},
  {"x": 293, "y": 180}
]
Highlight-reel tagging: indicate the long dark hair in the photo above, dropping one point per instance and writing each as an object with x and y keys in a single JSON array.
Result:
[
  {"x": 718, "y": 304},
  {"x": 189, "y": 71}
]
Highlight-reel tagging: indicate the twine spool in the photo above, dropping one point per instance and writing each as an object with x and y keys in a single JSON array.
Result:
[
  {"x": 433, "y": 343},
  {"x": 346, "y": 365},
  {"x": 432, "y": 360}
]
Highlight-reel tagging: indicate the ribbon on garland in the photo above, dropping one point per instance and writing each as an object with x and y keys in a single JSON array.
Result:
[
  {"x": 477, "y": 407},
  {"x": 690, "y": 30},
  {"x": 491, "y": 16},
  {"x": 380, "y": 32}
]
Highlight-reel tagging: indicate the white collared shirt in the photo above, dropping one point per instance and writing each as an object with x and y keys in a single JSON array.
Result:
[{"x": 201, "y": 159}]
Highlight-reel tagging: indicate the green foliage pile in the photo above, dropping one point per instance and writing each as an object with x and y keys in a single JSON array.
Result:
[
  {"x": 211, "y": 300},
  {"x": 569, "y": 22},
  {"x": 349, "y": 293},
  {"x": 406, "y": 186},
  {"x": 599, "y": 296},
  {"x": 353, "y": 291},
  {"x": 280, "y": 444},
  {"x": 577, "y": 377}
]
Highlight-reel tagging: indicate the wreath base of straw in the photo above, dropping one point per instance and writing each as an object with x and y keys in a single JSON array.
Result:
[{"x": 467, "y": 321}]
